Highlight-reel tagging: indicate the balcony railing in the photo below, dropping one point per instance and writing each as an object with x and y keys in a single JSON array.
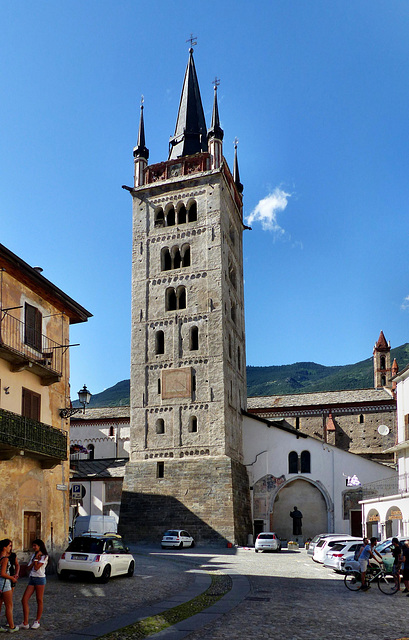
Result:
[
  {"x": 394, "y": 485},
  {"x": 44, "y": 359},
  {"x": 36, "y": 439}
]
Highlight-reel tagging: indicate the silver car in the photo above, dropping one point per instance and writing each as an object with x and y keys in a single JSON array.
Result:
[
  {"x": 339, "y": 551},
  {"x": 267, "y": 541}
]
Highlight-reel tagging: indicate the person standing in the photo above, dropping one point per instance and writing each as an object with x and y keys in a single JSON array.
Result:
[
  {"x": 405, "y": 553},
  {"x": 36, "y": 582},
  {"x": 397, "y": 560},
  {"x": 7, "y": 581}
]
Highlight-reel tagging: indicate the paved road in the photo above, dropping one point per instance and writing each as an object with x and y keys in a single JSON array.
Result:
[{"x": 290, "y": 598}]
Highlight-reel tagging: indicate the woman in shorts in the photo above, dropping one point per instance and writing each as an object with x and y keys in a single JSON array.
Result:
[
  {"x": 36, "y": 582},
  {"x": 7, "y": 581}
]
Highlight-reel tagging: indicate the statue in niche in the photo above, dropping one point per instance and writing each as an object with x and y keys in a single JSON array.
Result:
[{"x": 296, "y": 515}]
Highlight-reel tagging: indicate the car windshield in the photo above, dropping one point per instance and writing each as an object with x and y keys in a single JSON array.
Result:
[
  {"x": 86, "y": 545},
  {"x": 171, "y": 533},
  {"x": 266, "y": 536}
]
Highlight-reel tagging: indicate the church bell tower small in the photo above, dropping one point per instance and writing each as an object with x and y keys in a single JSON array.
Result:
[{"x": 382, "y": 363}]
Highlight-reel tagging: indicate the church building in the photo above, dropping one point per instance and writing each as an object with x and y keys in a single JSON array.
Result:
[{"x": 188, "y": 368}]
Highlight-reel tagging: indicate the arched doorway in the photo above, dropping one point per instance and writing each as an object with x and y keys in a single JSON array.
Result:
[
  {"x": 309, "y": 499},
  {"x": 372, "y": 523},
  {"x": 393, "y": 522}
]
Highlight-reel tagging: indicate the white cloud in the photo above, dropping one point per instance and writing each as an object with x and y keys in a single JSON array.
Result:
[
  {"x": 405, "y": 303},
  {"x": 267, "y": 210}
]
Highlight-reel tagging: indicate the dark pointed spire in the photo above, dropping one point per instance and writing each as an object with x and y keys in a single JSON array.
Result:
[
  {"x": 236, "y": 175},
  {"x": 190, "y": 131},
  {"x": 215, "y": 130},
  {"x": 140, "y": 151}
]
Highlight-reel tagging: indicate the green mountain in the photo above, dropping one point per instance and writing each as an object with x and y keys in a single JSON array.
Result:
[{"x": 301, "y": 377}]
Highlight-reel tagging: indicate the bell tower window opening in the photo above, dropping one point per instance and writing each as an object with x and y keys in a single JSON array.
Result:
[
  {"x": 159, "y": 386},
  {"x": 233, "y": 312},
  {"x": 159, "y": 342},
  {"x": 192, "y": 212},
  {"x": 170, "y": 299},
  {"x": 160, "y": 469},
  {"x": 170, "y": 217},
  {"x": 182, "y": 214},
  {"x": 91, "y": 452},
  {"x": 194, "y": 338},
  {"x": 361, "y": 419},
  {"x": 383, "y": 381},
  {"x": 160, "y": 426},
  {"x": 185, "y": 254},
  {"x": 165, "y": 259},
  {"x": 192, "y": 424},
  {"x": 181, "y": 297},
  {"x": 238, "y": 358},
  {"x": 159, "y": 218},
  {"x": 111, "y": 431}
]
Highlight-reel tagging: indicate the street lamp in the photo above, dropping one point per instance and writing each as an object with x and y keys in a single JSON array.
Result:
[{"x": 84, "y": 396}]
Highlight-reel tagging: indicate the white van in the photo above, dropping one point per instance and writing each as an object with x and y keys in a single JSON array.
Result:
[{"x": 95, "y": 524}]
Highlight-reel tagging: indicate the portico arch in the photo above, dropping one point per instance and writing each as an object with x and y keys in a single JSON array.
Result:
[
  {"x": 311, "y": 498},
  {"x": 393, "y": 522}
]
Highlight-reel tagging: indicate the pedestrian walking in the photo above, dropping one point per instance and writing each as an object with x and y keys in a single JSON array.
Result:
[
  {"x": 7, "y": 581},
  {"x": 397, "y": 560},
  {"x": 36, "y": 583}
]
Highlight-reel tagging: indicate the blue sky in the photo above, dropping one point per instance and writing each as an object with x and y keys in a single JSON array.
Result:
[{"x": 317, "y": 93}]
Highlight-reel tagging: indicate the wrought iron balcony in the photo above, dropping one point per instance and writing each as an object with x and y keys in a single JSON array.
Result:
[
  {"x": 35, "y": 439},
  {"x": 16, "y": 346},
  {"x": 392, "y": 486}
]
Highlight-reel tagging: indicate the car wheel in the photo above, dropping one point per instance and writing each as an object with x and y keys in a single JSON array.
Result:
[
  {"x": 131, "y": 569},
  {"x": 106, "y": 574},
  {"x": 63, "y": 575},
  {"x": 180, "y": 546},
  {"x": 193, "y": 544},
  {"x": 256, "y": 550},
  {"x": 163, "y": 546},
  {"x": 278, "y": 549}
]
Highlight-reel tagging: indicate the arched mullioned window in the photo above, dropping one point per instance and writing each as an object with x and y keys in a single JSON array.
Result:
[
  {"x": 305, "y": 462},
  {"x": 182, "y": 214},
  {"x": 175, "y": 258},
  {"x": 193, "y": 424},
  {"x": 159, "y": 218},
  {"x": 175, "y": 299},
  {"x": 170, "y": 216},
  {"x": 194, "y": 338},
  {"x": 192, "y": 211},
  {"x": 293, "y": 462},
  {"x": 159, "y": 342},
  {"x": 160, "y": 426},
  {"x": 383, "y": 362}
]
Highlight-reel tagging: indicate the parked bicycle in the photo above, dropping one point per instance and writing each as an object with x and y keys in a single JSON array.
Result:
[{"x": 387, "y": 583}]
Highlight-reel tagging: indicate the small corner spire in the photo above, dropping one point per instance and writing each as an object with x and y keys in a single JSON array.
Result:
[
  {"x": 236, "y": 174},
  {"x": 215, "y": 130},
  {"x": 140, "y": 151}
]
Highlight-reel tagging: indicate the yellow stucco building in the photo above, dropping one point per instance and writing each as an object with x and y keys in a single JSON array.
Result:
[{"x": 34, "y": 386}]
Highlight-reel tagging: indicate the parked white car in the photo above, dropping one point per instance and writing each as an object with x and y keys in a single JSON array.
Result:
[
  {"x": 325, "y": 544},
  {"x": 177, "y": 538},
  {"x": 100, "y": 556},
  {"x": 335, "y": 555},
  {"x": 314, "y": 542},
  {"x": 267, "y": 541}
]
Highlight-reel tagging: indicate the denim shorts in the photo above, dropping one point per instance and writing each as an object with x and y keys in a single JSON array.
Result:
[
  {"x": 36, "y": 582},
  {"x": 5, "y": 585}
]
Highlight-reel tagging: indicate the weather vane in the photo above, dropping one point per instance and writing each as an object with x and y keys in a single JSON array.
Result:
[
  {"x": 216, "y": 81},
  {"x": 192, "y": 40},
  {"x": 142, "y": 101},
  {"x": 235, "y": 142}
]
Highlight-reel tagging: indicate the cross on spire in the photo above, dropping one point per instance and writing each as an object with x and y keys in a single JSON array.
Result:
[
  {"x": 235, "y": 142},
  {"x": 216, "y": 81},
  {"x": 192, "y": 40}
]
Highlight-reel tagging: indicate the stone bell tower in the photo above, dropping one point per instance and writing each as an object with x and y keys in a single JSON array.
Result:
[
  {"x": 188, "y": 368},
  {"x": 382, "y": 363}
]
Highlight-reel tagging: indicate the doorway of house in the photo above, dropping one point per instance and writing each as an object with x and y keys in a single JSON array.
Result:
[
  {"x": 356, "y": 523},
  {"x": 258, "y": 527}
]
